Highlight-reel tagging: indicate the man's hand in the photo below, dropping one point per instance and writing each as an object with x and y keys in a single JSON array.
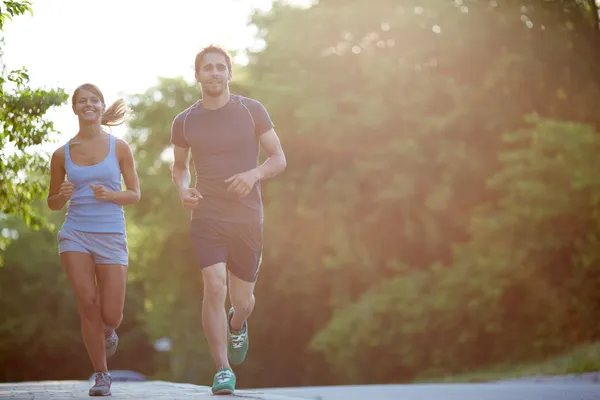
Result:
[
  {"x": 190, "y": 197},
  {"x": 102, "y": 194},
  {"x": 66, "y": 189},
  {"x": 242, "y": 183}
]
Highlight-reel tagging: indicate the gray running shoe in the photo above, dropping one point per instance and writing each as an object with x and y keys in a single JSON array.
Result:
[
  {"x": 110, "y": 343},
  {"x": 101, "y": 387}
]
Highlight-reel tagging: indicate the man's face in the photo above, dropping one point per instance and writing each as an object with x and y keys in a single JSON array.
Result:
[{"x": 213, "y": 74}]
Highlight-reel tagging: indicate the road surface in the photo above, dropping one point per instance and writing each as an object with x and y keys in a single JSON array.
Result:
[{"x": 459, "y": 391}]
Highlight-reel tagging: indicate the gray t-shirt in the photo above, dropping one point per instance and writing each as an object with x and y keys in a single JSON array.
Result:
[{"x": 224, "y": 142}]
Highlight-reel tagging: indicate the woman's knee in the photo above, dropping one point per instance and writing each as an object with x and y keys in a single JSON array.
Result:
[
  {"x": 112, "y": 318},
  {"x": 89, "y": 306}
]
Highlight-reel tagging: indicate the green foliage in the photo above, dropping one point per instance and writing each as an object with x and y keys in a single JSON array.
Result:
[
  {"x": 580, "y": 359},
  {"x": 23, "y": 171},
  {"x": 12, "y": 8},
  {"x": 392, "y": 131},
  {"x": 422, "y": 224},
  {"x": 518, "y": 290}
]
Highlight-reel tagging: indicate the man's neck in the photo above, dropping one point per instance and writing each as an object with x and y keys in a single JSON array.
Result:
[{"x": 213, "y": 103}]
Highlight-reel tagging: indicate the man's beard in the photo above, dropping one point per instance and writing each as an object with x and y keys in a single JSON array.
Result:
[{"x": 206, "y": 91}]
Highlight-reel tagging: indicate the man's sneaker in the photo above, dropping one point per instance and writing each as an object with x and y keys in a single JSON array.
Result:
[
  {"x": 224, "y": 382},
  {"x": 101, "y": 387},
  {"x": 111, "y": 341},
  {"x": 237, "y": 343}
]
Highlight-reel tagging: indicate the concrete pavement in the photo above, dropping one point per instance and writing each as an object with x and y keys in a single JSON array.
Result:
[
  {"x": 451, "y": 391},
  {"x": 456, "y": 391},
  {"x": 54, "y": 390}
]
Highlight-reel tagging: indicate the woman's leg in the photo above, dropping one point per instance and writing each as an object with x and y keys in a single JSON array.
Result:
[
  {"x": 112, "y": 284},
  {"x": 111, "y": 256},
  {"x": 80, "y": 270}
]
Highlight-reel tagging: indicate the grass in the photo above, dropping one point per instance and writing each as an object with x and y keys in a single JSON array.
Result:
[{"x": 577, "y": 361}]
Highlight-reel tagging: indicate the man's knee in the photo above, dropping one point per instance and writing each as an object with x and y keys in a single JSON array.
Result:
[
  {"x": 244, "y": 307},
  {"x": 242, "y": 303},
  {"x": 241, "y": 294},
  {"x": 215, "y": 282}
]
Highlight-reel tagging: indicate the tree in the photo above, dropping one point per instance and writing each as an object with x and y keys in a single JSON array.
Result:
[
  {"x": 390, "y": 143},
  {"x": 23, "y": 171},
  {"x": 522, "y": 288},
  {"x": 394, "y": 114}
]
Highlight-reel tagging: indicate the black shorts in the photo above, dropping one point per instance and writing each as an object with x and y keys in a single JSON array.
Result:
[{"x": 238, "y": 244}]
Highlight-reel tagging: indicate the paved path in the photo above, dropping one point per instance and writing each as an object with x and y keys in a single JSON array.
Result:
[
  {"x": 174, "y": 391},
  {"x": 54, "y": 390},
  {"x": 452, "y": 391}
]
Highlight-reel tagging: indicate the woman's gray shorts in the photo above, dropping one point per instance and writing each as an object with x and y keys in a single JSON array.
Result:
[{"x": 104, "y": 247}]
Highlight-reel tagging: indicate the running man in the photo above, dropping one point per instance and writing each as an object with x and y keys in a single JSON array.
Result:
[{"x": 223, "y": 133}]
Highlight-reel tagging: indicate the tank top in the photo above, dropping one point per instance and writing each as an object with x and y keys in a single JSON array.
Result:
[{"x": 85, "y": 213}]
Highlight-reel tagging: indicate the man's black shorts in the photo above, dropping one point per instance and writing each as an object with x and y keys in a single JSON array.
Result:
[{"x": 239, "y": 244}]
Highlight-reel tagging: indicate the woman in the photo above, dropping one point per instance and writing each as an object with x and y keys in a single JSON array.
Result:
[{"x": 86, "y": 172}]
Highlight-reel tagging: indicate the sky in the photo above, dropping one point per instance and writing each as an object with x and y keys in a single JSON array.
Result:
[{"x": 122, "y": 46}]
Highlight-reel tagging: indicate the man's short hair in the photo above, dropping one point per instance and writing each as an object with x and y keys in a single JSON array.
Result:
[{"x": 212, "y": 49}]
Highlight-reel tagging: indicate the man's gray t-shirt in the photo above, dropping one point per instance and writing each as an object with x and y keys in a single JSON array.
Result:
[{"x": 224, "y": 142}]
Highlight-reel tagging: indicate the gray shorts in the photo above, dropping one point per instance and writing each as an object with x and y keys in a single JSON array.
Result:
[{"x": 105, "y": 248}]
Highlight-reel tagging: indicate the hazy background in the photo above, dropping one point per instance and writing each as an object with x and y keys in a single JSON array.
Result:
[{"x": 438, "y": 218}]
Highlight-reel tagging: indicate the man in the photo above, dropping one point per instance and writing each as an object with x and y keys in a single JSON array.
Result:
[{"x": 223, "y": 132}]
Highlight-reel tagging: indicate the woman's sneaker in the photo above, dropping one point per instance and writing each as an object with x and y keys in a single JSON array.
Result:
[
  {"x": 224, "y": 382},
  {"x": 102, "y": 382},
  {"x": 111, "y": 342}
]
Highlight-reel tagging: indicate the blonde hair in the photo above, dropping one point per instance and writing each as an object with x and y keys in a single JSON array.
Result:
[{"x": 114, "y": 115}]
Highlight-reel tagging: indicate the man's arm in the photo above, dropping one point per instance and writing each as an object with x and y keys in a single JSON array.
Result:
[
  {"x": 275, "y": 163},
  {"x": 242, "y": 183},
  {"x": 180, "y": 173}
]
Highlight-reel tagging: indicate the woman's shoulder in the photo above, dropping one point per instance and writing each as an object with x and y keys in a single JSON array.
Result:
[
  {"x": 122, "y": 148},
  {"x": 60, "y": 152}
]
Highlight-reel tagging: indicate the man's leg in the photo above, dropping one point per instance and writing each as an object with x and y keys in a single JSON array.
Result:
[
  {"x": 214, "y": 322},
  {"x": 214, "y": 319},
  {"x": 241, "y": 295},
  {"x": 243, "y": 265},
  {"x": 211, "y": 255}
]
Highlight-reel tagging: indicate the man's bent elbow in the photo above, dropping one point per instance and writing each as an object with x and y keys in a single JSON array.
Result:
[
  {"x": 176, "y": 171},
  {"x": 178, "y": 168},
  {"x": 282, "y": 163}
]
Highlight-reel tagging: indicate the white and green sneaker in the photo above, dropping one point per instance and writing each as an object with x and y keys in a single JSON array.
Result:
[
  {"x": 237, "y": 341},
  {"x": 224, "y": 382}
]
